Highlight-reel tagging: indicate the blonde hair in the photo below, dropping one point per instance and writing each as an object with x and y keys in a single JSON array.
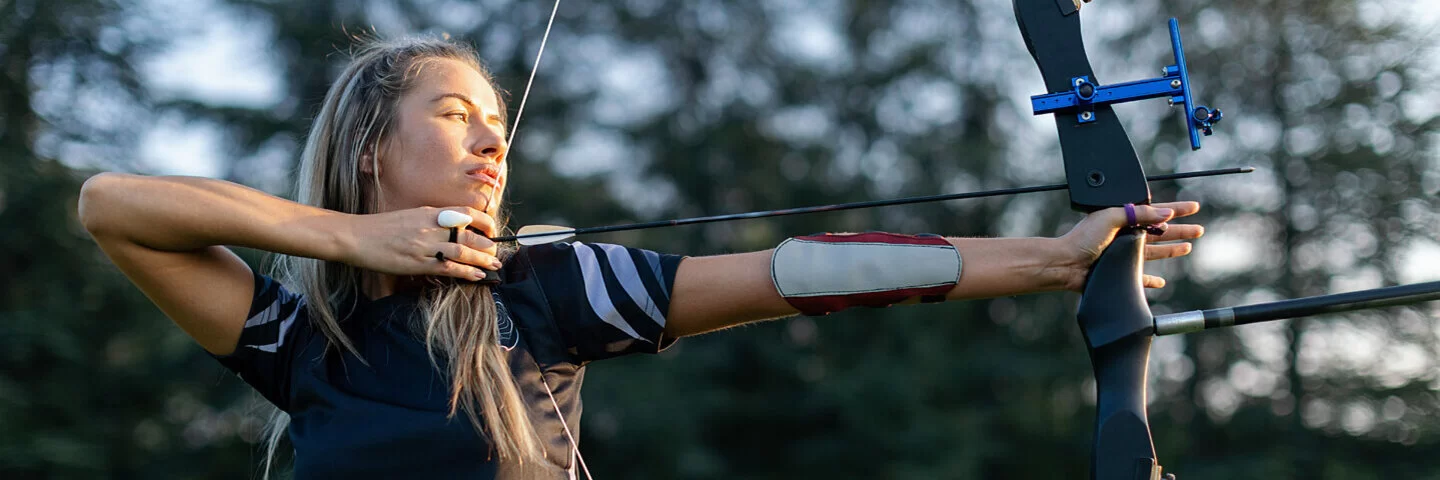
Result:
[{"x": 358, "y": 115}]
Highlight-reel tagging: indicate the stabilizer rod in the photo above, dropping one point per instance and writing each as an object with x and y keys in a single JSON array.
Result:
[{"x": 1197, "y": 320}]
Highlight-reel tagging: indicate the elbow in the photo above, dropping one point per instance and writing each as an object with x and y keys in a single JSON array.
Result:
[{"x": 97, "y": 198}]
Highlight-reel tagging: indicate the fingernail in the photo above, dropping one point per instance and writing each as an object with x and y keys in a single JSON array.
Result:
[{"x": 495, "y": 265}]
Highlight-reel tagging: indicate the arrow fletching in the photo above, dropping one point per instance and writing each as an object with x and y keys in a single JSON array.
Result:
[{"x": 541, "y": 234}]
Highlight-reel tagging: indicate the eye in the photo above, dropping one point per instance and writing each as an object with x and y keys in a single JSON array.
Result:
[{"x": 459, "y": 115}]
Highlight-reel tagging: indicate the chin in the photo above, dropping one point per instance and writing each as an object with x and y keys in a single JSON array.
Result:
[{"x": 478, "y": 201}]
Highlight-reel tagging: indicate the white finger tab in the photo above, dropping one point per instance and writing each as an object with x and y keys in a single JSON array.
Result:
[{"x": 452, "y": 219}]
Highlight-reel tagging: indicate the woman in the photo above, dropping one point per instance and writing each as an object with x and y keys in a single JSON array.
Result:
[{"x": 378, "y": 331}]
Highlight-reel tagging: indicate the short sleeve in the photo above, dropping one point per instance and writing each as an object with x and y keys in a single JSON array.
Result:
[
  {"x": 263, "y": 355},
  {"x": 607, "y": 300}
]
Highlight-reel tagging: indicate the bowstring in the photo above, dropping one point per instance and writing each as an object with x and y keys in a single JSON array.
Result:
[
  {"x": 515, "y": 127},
  {"x": 509, "y": 144},
  {"x": 538, "y": 55}
]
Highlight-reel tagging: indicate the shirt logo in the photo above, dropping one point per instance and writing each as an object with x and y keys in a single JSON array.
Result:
[{"x": 505, "y": 333}]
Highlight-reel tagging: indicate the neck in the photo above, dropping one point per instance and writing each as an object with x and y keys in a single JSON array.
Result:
[{"x": 380, "y": 285}]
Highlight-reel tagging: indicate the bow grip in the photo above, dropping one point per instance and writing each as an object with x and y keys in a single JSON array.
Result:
[{"x": 1118, "y": 328}]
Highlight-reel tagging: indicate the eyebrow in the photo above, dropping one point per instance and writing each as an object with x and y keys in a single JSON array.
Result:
[{"x": 468, "y": 103}]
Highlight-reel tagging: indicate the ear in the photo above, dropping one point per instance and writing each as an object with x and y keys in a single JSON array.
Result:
[{"x": 368, "y": 165}]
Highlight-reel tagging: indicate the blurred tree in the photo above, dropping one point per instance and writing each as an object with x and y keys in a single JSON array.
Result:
[{"x": 93, "y": 381}]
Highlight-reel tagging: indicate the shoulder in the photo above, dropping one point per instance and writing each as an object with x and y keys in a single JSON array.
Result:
[
  {"x": 274, "y": 311},
  {"x": 270, "y": 293},
  {"x": 267, "y": 343},
  {"x": 606, "y": 300},
  {"x": 582, "y": 259}
]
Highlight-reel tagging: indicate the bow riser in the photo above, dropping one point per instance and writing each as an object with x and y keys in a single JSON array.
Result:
[{"x": 1103, "y": 171}]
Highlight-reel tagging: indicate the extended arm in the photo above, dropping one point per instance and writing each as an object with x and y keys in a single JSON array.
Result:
[{"x": 713, "y": 293}]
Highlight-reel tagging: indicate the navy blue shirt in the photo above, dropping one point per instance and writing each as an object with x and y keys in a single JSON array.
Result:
[{"x": 560, "y": 307}]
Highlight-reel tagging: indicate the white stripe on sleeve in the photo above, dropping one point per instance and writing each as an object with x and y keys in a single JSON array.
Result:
[
  {"x": 595, "y": 291},
  {"x": 267, "y": 315},
  {"x": 284, "y": 327},
  {"x": 624, "y": 267},
  {"x": 654, "y": 260}
]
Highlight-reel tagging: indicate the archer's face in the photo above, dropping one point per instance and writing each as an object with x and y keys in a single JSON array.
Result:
[{"x": 448, "y": 146}]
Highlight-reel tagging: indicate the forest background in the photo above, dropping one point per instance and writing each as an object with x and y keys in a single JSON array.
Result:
[{"x": 647, "y": 109}]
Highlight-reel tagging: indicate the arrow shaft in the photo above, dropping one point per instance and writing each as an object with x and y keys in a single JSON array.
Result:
[{"x": 855, "y": 205}]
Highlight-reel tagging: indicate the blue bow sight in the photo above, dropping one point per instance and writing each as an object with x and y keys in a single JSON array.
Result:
[{"x": 1085, "y": 95}]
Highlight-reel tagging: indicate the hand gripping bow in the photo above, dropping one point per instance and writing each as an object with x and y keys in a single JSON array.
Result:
[{"x": 1103, "y": 171}]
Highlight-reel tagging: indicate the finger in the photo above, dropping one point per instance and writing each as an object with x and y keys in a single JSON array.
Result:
[
  {"x": 1182, "y": 209},
  {"x": 1159, "y": 252},
  {"x": 1152, "y": 214},
  {"x": 458, "y": 253},
  {"x": 1144, "y": 215},
  {"x": 1179, "y": 231},
  {"x": 1152, "y": 281},
  {"x": 445, "y": 263},
  {"x": 472, "y": 238},
  {"x": 483, "y": 222},
  {"x": 458, "y": 270}
]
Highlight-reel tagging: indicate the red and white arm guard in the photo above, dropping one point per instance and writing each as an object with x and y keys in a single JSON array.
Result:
[{"x": 820, "y": 274}]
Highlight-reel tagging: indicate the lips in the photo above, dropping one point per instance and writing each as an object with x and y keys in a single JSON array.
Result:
[{"x": 488, "y": 173}]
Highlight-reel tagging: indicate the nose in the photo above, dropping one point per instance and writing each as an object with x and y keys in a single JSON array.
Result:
[{"x": 489, "y": 142}]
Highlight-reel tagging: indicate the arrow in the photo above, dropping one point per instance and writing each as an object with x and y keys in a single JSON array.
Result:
[{"x": 542, "y": 234}]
